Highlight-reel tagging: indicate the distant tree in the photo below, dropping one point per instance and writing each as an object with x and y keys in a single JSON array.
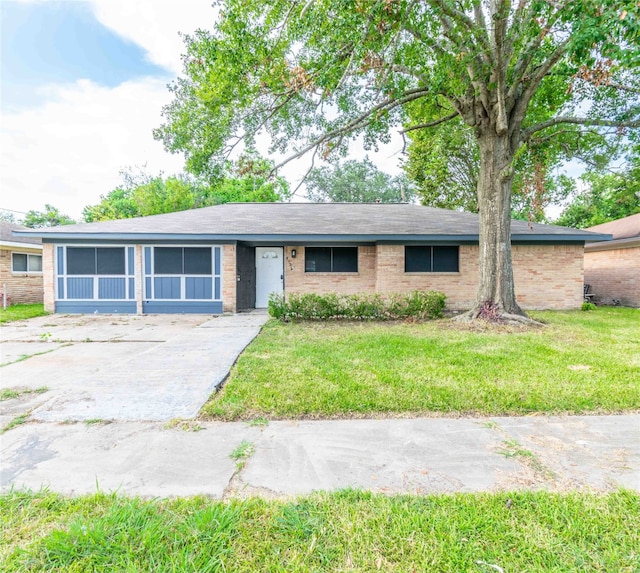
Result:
[
  {"x": 247, "y": 180},
  {"x": 50, "y": 217},
  {"x": 7, "y": 216},
  {"x": 608, "y": 196},
  {"x": 356, "y": 182}
]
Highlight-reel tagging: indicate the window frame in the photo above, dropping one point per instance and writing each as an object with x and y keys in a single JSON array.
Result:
[
  {"x": 432, "y": 259},
  {"x": 149, "y": 273},
  {"x": 28, "y": 271},
  {"x": 62, "y": 278},
  {"x": 331, "y": 258}
]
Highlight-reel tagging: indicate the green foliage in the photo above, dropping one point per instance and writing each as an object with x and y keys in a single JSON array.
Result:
[
  {"x": 586, "y": 306},
  {"x": 417, "y": 304},
  {"x": 608, "y": 196},
  {"x": 247, "y": 180},
  {"x": 50, "y": 217},
  {"x": 356, "y": 182}
]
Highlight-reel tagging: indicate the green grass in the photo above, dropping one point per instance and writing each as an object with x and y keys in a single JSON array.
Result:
[
  {"x": 12, "y": 393},
  {"x": 15, "y": 422},
  {"x": 21, "y": 312},
  {"x": 242, "y": 453},
  {"x": 581, "y": 362},
  {"x": 348, "y": 531}
]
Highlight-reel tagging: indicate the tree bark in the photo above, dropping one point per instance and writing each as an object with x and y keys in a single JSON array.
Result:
[{"x": 495, "y": 298}]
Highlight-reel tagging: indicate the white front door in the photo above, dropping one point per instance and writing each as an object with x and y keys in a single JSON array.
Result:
[{"x": 269, "y": 273}]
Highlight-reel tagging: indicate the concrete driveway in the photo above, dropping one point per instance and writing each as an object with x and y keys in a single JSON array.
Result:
[{"x": 118, "y": 367}]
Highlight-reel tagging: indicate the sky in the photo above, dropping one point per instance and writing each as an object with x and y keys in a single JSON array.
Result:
[{"x": 82, "y": 86}]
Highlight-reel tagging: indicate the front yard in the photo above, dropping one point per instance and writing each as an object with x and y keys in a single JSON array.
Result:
[
  {"x": 581, "y": 362},
  {"x": 21, "y": 312}
]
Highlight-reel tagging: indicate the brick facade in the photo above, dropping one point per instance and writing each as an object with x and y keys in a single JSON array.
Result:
[
  {"x": 229, "y": 278},
  {"x": 546, "y": 277},
  {"x": 22, "y": 288},
  {"x": 614, "y": 274},
  {"x": 49, "y": 277}
]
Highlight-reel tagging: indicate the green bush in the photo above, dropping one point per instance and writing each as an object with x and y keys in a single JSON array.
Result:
[
  {"x": 588, "y": 306},
  {"x": 416, "y": 304}
]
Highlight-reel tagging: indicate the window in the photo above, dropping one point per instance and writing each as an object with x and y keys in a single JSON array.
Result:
[
  {"x": 24, "y": 263},
  {"x": 95, "y": 261},
  {"x": 182, "y": 261},
  {"x": 331, "y": 259},
  {"x": 431, "y": 259}
]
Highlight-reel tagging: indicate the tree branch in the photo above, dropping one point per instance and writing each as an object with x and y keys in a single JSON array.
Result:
[
  {"x": 527, "y": 133},
  {"x": 431, "y": 123},
  {"x": 361, "y": 121}
]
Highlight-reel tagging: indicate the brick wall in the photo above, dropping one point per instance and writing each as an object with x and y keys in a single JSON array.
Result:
[
  {"x": 49, "y": 277},
  {"x": 546, "y": 277},
  {"x": 614, "y": 274},
  {"x": 229, "y": 276},
  {"x": 460, "y": 287},
  {"x": 22, "y": 288},
  {"x": 297, "y": 281}
]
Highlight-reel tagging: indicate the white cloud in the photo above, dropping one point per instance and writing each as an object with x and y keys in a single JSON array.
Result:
[
  {"x": 70, "y": 150},
  {"x": 154, "y": 25}
]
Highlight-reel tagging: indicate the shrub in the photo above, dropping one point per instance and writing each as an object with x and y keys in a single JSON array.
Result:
[
  {"x": 588, "y": 306},
  {"x": 416, "y": 304}
]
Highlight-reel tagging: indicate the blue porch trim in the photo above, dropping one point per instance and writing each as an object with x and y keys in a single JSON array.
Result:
[
  {"x": 95, "y": 306},
  {"x": 181, "y": 307}
]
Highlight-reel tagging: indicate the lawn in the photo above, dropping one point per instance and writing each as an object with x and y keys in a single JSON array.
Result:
[
  {"x": 581, "y": 362},
  {"x": 348, "y": 531},
  {"x": 20, "y": 312}
]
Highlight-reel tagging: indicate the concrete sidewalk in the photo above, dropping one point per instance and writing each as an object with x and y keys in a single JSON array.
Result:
[{"x": 427, "y": 455}]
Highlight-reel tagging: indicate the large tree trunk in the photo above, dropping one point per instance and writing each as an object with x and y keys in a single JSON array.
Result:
[{"x": 495, "y": 298}]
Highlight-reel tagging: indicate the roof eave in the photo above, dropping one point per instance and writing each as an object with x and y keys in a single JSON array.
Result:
[{"x": 308, "y": 237}]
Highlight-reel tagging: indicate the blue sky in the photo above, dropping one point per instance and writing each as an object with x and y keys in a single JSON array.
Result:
[{"x": 60, "y": 42}]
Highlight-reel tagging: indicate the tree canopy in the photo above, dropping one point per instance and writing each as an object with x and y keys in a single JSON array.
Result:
[
  {"x": 50, "y": 217},
  {"x": 316, "y": 74},
  {"x": 247, "y": 180},
  {"x": 356, "y": 182},
  {"x": 607, "y": 197}
]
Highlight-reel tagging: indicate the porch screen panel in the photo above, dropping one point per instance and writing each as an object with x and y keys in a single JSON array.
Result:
[
  {"x": 167, "y": 261},
  {"x": 197, "y": 261},
  {"x": 81, "y": 261},
  {"x": 198, "y": 288},
  {"x": 80, "y": 288},
  {"x": 112, "y": 288},
  {"x": 167, "y": 287},
  {"x": 60, "y": 256}
]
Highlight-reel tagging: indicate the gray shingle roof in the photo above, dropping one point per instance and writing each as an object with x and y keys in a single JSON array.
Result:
[
  {"x": 6, "y": 234},
  {"x": 340, "y": 221}
]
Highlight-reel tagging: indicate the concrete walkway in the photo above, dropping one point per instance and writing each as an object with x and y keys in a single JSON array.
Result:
[
  {"x": 430, "y": 455},
  {"x": 115, "y": 367}
]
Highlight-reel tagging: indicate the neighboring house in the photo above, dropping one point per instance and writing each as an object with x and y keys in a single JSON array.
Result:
[
  {"x": 20, "y": 266},
  {"x": 612, "y": 268},
  {"x": 231, "y": 257}
]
